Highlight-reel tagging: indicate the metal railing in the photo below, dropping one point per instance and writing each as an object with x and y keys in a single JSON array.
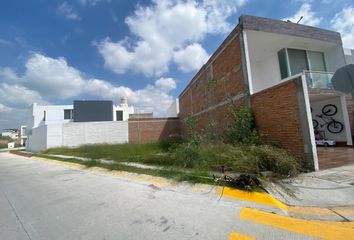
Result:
[{"x": 317, "y": 79}]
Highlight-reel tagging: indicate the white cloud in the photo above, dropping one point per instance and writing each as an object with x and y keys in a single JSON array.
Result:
[
  {"x": 166, "y": 84},
  {"x": 153, "y": 98},
  {"x": 190, "y": 58},
  {"x": 8, "y": 74},
  {"x": 68, "y": 11},
  {"x": 343, "y": 22},
  {"x": 52, "y": 77},
  {"x": 219, "y": 11},
  {"x": 163, "y": 28},
  {"x": 309, "y": 16},
  {"x": 149, "y": 59},
  {"x": 17, "y": 96},
  {"x": 48, "y": 79}
]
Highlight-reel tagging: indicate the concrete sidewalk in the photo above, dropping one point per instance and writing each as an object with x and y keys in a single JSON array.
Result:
[{"x": 331, "y": 189}]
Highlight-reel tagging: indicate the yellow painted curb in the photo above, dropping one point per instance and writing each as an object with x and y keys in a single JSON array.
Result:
[
  {"x": 257, "y": 197},
  {"x": 321, "y": 229}
]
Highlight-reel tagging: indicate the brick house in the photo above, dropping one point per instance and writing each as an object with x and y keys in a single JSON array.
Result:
[{"x": 282, "y": 70}]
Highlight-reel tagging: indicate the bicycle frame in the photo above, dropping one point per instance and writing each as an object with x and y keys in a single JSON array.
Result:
[{"x": 325, "y": 119}]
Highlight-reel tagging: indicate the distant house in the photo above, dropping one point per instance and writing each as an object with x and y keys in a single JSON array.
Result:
[
  {"x": 12, "y": 133},
  {"x": 84, "y": 122}
]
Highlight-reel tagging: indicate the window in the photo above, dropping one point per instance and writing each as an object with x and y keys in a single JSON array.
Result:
[
  {"x": 68, "y": 114},
  {"x": 294, "y": 61},
  {"x": 283, "y": 63},
  {"x": 316, "y": 61},
  {"x": 44, "y": 113},
  {"x": 119, "y": 115},
  {"x": 297, "y": 61}
]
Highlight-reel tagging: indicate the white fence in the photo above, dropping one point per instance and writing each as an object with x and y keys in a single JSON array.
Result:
[{"x": 75, "y": 134}]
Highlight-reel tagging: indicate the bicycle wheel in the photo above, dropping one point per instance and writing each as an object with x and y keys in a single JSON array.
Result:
[
  {"x": 314, "y": 123},
  {"x": 335, "y": 127},
  {"x": 329, "y": 110}
]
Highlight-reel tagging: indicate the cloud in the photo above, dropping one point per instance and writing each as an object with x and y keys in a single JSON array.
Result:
[
  {"x": 309, "y": 16},
  {"x": 147, "y": 58},
  {"x": 343, "y": 22},
  {"x": 153, "y": 98},
  {"x": 166, "y": 84},
  {"x": 68, "y": 11},
  {"x": 17, "y": 96},
  {"x": 52, "y": 77},
  {"x": 163, "y": 28},
  {"x": 4, "y": 109},
  {"x": 8, "y": 74},
  {"x": 190, "y": 58},
  {"x": 48, "y": 79}
]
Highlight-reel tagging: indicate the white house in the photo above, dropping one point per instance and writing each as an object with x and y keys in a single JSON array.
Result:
[
  {"x": 12, "y": 133},
  {"x": 84, "y": 122}
]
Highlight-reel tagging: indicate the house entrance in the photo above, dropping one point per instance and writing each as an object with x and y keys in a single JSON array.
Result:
[{"x": 332, "y": 122}]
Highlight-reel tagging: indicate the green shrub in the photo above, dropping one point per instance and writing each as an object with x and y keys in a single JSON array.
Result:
[
  {"x": 194, "y": 137},
  {"x": 186, "y": 155},
  {"x": 242, "y": 128},
  {"x": 237, "y": 158},
  {"x": 277, "y": 160}
]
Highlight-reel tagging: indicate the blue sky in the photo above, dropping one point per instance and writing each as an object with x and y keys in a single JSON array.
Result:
[{"x": 52, "y": 52}]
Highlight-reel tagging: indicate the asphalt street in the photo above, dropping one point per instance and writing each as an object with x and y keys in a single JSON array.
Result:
[{"x": 46, "y": 200}]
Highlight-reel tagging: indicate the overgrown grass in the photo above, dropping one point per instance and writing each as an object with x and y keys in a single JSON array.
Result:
[
  {"x": 238, "y": 158},
  {"x": 203, "y": 158},
  {"x": 117, "y": 152}
]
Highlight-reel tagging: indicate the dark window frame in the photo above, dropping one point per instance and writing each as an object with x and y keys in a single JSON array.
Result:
[
  {"x": 119, "y": 115},
  {"x": 68, "y": 114}
]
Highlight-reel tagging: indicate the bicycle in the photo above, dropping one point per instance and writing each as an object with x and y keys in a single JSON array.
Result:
[{"x": 333, "y": 126}]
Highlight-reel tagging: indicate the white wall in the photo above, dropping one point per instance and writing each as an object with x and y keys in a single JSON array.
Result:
[
  {"x": 263, "y": 50},
  {"x": 54, "y": 114},
  {"x": 54, "y": 135},
  {"x": 37, "y": 140},
  {"x": 76, "y": 134},
  {"x": 317, "y": 110},
  {"x": 334, "y": 58},
  {"x": 126, "y": 111}
]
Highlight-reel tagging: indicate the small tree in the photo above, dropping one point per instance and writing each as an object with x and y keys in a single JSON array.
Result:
[
  {"x": 242, "y": 128},
  {"x": 194, "y": 136}
]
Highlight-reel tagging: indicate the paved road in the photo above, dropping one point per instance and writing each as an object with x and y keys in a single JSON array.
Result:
[{"x": 45, "y": 200}]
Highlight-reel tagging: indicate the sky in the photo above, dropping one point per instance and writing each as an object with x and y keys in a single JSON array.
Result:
[{"x": 57, "y": 51}]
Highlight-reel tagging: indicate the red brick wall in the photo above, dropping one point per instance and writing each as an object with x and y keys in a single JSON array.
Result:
[
  {"x": 153, "y": 129},
  {"x": 208, "y": 94},
  {"x": 277, "y": 116}
]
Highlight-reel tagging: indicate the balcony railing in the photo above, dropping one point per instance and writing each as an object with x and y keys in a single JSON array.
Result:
[{"x": 319, "y": 79}]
